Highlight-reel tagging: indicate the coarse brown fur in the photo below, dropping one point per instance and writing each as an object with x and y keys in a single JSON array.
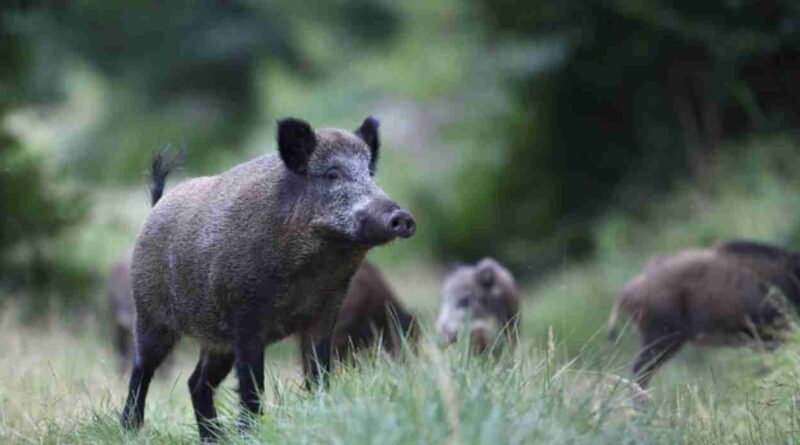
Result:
[
  {"x": 371, "y": 315},
  {"x": 482, "y": 301},
  {"x": 729, "y": 293},
  {"x": 263, "y": 251}
]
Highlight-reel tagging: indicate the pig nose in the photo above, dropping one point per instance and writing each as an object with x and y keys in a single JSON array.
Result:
[{"x": 402, "y": 224}]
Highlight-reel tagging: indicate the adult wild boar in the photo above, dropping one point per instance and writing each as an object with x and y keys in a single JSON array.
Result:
[
  {"x": 730, "y": 293},
  {"x": 481, "y": 301},
  {"x": 263, "y": 251},
  {"x": 370, "y": 313}
]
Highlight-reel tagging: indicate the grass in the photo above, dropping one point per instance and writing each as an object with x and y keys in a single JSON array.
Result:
[
  {"x": 59, "y": 385},
  {"x": 58, "y": 379}
]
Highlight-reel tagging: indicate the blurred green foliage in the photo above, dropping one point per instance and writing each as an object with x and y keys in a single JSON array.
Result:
[
  {"x": 35, "y": 207},
  {"x": 99, "y": 85},
  {"x": 643, "y": 93},
  {"x": 525, "y": 124},
  {"x": 181, "y": 71}
]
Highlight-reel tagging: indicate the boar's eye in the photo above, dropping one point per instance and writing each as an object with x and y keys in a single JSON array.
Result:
[
  {"x": 333, "y": 174},
  {"x": 462, "y": 302}
]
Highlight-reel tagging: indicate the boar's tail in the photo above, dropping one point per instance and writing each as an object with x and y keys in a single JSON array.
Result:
[{"x": 162, "y": 165}]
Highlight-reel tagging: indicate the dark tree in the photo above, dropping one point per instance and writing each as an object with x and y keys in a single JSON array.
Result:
[
  {"x": 33, "y": 209},
  {"x": 645, "y": 93}
]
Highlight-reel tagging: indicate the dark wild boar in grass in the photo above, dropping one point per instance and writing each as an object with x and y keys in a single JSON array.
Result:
[
  {"x": 263, "y": 251},
  {"x": 371, "y": 316},
  {"x": 482, "y": 303},
  {"x": 732, "y": 293}
]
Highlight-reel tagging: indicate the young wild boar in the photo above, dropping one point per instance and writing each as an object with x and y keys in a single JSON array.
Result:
[
  {"x": 258, "y": 253},
  {"x": 482, "y": 301},
  {"x": 120, "y": 302},
  {"x": 370, "y": 313},
  {"x": 725, "y": 294}
]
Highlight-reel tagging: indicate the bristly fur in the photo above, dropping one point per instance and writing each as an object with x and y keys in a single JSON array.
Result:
[
  {"x": 720, "y": 295},
  {"x": 161, "y": 166},
  {"x": 371, "y": 314},
  {"x": 483, "y": 300}
]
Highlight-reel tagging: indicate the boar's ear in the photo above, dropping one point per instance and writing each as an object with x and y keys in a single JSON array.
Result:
[
  {"x": 296, "y": 142},
  {"x": 368, "y": 132},
  {"x": 485, "y": 273}
]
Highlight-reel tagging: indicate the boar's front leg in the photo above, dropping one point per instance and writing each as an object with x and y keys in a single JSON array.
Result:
[
  {"x": 655, "y": 347},
  {"x": 316, "y": 358},
  {"x": 316, "y": 349},
  {"x": 249, "y": 363}
]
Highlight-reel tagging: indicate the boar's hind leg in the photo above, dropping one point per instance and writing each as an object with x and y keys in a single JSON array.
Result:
[
  {"x": 655, "y": 348},
  {"x": 153, "y": 344},
  {"x": 209, "y": 373}
]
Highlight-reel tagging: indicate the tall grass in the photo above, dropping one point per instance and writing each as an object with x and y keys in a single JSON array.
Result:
[{"x": 58, "y": 386}]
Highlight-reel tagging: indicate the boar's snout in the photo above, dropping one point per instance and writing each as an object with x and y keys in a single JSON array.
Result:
[
  {"x": 384, "y": 221},
  {"x": 402, "y": 223}
]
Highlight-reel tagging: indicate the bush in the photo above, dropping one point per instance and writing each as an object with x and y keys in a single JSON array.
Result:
[{"x": 35, "y": 208}]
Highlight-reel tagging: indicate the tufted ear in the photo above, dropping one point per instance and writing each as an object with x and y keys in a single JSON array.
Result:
[
  {"x": 485, "y": 272},
  {"x": 368, "y": 132},
  {"x": 296, "y": 142}
]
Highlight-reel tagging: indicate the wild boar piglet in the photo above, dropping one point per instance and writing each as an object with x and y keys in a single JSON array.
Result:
[
  {"x": 120, "y": 305},
  {"x": 480, "y": 301}
]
